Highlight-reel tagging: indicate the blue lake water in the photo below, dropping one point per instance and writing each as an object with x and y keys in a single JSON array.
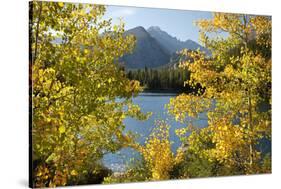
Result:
[{"x": 148, "y": 102}]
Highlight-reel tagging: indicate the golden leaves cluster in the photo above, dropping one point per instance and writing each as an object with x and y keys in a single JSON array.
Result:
[
  {"x": 235, "y": 82},
  {"x": 76, "y": 79}
]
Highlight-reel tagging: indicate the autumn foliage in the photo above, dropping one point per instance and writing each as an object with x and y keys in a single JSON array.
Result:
[
  {"x": 75, "y": 79},
  {"x": 74, "y": 83},
  {"x": 236, "y": 94}
]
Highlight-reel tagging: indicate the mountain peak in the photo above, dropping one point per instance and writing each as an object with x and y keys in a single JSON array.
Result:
[
  {"x": 138, "y": 31},
  {"x": 172, "y": 44},
  {"x": 154, "y": 47},
  {"x": 139, "y": 28},
  {"x": 147, "y": 53},
  {"x": 155, "y": 28}
]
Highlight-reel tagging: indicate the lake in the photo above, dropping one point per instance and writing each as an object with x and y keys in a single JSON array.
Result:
[{"x": 148, "y": 102}]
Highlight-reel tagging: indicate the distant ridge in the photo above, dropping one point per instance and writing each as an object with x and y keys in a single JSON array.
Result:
[
  {"x": 155, "y": 48},
  {"x": 172, "y": 44},
  {"x": 147, "y": 53}
]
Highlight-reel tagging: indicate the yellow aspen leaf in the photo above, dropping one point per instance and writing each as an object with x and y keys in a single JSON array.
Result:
[
  {"x": 74, "y": 173},
  {"x": 61, "y": 4},
  {"x": 86, "y": 51},
  {"x": 62, "y": 129}
]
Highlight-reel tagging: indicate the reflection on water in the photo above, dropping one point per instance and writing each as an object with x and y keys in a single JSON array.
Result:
[{"x": 149, "y": 102}]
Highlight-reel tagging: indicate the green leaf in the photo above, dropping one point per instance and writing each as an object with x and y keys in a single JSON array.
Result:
[{"x": 51, "y": 157}]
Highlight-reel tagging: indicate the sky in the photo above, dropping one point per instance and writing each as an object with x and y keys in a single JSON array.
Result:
[{"x": 177, "y": 23}]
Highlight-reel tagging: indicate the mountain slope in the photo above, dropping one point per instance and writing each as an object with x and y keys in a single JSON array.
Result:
[
  {"x": 172, "y": 44},
  {"x": 147, "y": 53}
]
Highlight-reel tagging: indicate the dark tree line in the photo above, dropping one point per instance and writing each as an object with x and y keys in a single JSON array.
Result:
[{"x": 161, "y": 79}]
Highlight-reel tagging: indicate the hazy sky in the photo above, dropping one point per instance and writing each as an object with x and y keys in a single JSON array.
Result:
[{"x": 178, "y": 23}]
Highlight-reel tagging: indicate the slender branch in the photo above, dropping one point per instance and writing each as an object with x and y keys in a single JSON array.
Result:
[
  {"x": 249, "y": 99},
  {"x": 37, "y": 33}
]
